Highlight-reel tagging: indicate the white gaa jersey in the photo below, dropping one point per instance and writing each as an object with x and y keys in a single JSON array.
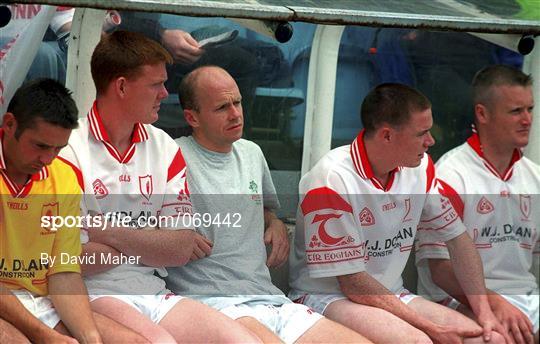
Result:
[
  {"x": 146, "y": 181},
  {"x": 499, "y": 214},
  {"x": 347, "y": 222}
]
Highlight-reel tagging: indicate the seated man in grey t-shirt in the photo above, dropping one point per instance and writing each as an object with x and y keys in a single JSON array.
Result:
[{"x": 233, "y": 197}]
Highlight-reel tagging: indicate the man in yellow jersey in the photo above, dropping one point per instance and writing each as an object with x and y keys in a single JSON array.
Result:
[{"x": 41, "y": 291}]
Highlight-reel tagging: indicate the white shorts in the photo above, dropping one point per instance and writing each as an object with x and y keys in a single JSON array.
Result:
[
  {"x": 319, "y": 302},
  {"x": 528, "y": 304},
  {"x": 40, "y": 306},
  {"x": 406, "y": 296},
  {"x": 154, "y": 307},
  {"x": 288, "y": 320}
]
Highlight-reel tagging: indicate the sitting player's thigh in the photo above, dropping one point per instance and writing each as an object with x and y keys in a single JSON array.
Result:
[
  {"x": 443, "y": 315},
  {"x": 374, "y": 323},
  {"x": 300, "y": 324},
  {"x": 440, "y": 314},
  {"x": 120, "y": 309},
  {"x": 529, "y": 305},
  {"x": 40, "y": 306},
  {"x": 10, "y": 334},
  {"x": 192, "y": 319}
]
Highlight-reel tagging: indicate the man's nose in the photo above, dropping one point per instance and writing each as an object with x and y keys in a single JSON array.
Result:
[
  {"x": 47, "y": 157},
  {"x": 430, "y": 141},
  {"x": 163, "y": 92},
  {"x": 235, "y": 112}
]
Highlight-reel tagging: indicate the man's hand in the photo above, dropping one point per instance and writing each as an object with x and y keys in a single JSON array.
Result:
[
  {"x": 515, "y": 322},
  {"x": 65, "y": 290},
  {"x": 202, "y": 247},
  {"x": 450, "y": 334},
  {"x": 95, "y": 234},
  {"x": 183, "y": 48},
  {"x": 56, "y": 337},
  {"x": 276, "y": 235},
  {"x": 489, "y": 323}
]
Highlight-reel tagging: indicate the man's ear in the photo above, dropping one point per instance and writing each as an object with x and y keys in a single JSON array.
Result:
[
  {"x": 9, "y": 123},
  {"x": 384, "y": 133},
  {"x": 120, "y": 85},
  {"x": 191, "y": 118},
  {"x": 481, "y": 113}
]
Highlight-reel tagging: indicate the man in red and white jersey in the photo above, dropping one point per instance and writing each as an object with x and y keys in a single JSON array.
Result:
[
  {"x": 361, "y": 208},
  {"x": 495, "y": 190},
  {"x": 134, "y": 181},
  {"x": 38, "y": 286}
]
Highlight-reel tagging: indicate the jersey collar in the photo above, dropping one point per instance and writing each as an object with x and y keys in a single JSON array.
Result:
[
  {"x": 97, "y": 128},
  {"x": 476, "y": 145},
  {"x": 14, "y": 189},
  {"x": 363, "y": 167}
]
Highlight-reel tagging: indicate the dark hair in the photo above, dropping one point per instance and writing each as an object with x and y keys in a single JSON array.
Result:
[
  {"x": 391, "y": 103},
  {"x": 186, "y": 92},
  {"x": 123, "y": 53},
  {"x": 496, "y": 75},
  {"x": 188, "y": 85},
  {"x": 45, "y": 99}
]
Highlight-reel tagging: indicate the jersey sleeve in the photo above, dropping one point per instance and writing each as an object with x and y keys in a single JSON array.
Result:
[
  {"x": 177, "y": 206},
  {"x": 440, "y": 221},
  {"x": 88, "y": 203},
  {"x": 67, "y": 242},
  {"x": 334, "y": 246},
  {"x": 62, "y": 16},
  {"x": 452, "y": 186}
]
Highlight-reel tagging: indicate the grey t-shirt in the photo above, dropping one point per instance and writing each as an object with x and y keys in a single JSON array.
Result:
[{"x": 237, "y": 186}]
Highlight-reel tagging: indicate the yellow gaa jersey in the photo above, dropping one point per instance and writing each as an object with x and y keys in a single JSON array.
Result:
[{"x": 39, "y": 235}]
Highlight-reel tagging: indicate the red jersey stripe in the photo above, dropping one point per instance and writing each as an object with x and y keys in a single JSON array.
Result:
[{"x": 177, "y": 165}]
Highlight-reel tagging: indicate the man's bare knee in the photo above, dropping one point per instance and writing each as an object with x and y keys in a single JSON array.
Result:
[
  {"x": 497, "y": 338},
  {"x": 259, "y": 330},
  {"x": 114, "y": 332},
  {"x": 10, "y": 334},
  {"x": 328, "y": 331},
  {"x": 413, "y": 335}
]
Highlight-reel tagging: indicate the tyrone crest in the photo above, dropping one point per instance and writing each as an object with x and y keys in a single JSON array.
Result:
[
  {"x": 484, "y": 206},
  {"x": 366, "y": 217},
  {"x": 146, "y": 186},
  {"x": 407, "y": 218},
  {"x": 49, "y": 210},
  {"x": 525, "y": 206},
  {"x": 100, "y": 190}
]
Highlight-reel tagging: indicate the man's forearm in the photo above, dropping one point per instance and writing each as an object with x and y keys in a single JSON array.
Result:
[
  {"x": 444, "y": 277},
  {"x": 13, "y": 311},
  {"x": 269, "y": 216},
  {"x": 156, "y": 247},
  {"x": 468, "y": 270},
  {"x": 145, "y": 23},
  {"x": 364, "y": 289},
  {"x": 65, "y": 290},
  {"x": 97, "y": 264}
]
